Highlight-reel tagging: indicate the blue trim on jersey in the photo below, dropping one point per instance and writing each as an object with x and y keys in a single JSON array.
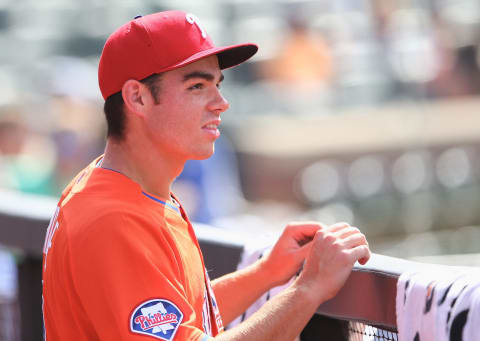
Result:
[
  {"x": 113, "y": 170},
  {"x": 99, "y": 165},
  {"x": 169, "y": 205}
]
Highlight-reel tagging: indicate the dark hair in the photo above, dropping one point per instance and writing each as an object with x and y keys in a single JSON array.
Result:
[{"x": 114, "y": 107}]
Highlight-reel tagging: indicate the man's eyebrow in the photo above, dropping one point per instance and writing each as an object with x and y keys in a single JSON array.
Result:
[{"x": 200, "y": 74}]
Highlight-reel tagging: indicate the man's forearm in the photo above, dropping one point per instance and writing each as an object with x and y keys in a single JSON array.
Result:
[
  {"x": 236, "y": 291},
  {"x": 280, "y": 319}
]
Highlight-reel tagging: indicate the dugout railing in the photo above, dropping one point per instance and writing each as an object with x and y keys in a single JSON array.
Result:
[{"x": 364, "y": 306}]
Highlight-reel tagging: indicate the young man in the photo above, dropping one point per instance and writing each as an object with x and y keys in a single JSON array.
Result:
[{"x": 121, "y": 261}]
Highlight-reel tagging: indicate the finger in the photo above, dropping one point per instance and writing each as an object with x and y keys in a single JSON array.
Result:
[
  {"x": 346, "y": 232},
  {"x": 303, "y": 233},
  {"x": 360, "y": 253},
  {"x": 364, "y": 260},
  {"x": 305, "y": 248},
  {"x": 354, "y": 240},
  {"x": 338, "y": 226},
  {"x": 306, "y": 225}
]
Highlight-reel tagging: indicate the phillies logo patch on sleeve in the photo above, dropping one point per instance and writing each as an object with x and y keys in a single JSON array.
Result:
[{"x": 158, "y": 318}]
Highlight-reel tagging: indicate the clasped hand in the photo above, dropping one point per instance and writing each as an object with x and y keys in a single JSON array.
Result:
[{"x": 327, "y": 253}]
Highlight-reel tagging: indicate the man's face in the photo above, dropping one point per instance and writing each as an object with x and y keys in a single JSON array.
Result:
[{"x": 184, "y": 123}]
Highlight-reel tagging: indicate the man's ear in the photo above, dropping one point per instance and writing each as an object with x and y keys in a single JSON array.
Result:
[{"x": 135, "y": 96}]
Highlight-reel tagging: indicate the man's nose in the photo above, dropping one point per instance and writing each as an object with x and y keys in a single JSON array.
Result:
[{"x": 220, "y": 103}]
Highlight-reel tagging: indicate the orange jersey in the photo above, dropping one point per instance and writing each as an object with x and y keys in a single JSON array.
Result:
[{"x": 122, "y": 264}]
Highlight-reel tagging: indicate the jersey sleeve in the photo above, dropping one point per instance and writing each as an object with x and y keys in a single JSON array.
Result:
[{"x": 130, "y": 282}]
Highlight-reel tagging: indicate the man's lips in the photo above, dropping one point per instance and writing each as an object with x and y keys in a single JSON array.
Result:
[
  {"x": 212, "y": 124},
  {"x": 211, "y": 128}
]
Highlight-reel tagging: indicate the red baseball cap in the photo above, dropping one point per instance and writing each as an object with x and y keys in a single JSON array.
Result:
[{"x": 157, "y": 43}]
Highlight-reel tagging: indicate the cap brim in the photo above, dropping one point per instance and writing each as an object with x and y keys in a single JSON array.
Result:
[
  {"x": 228, "y": 56},
  {"x": 234, "y": 55}
]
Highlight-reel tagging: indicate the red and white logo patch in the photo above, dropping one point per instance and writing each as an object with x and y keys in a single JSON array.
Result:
[{"x": 158, "y": 318}]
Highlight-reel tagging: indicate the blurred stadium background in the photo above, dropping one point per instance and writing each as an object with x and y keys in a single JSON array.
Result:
[{"x": 364, "y": 111}]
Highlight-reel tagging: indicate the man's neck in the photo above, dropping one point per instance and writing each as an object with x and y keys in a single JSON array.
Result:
[{"x": 150, "y": 170}]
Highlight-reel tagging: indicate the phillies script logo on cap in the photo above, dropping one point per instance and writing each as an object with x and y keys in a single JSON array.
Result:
[{"x": 158, "y": 318}]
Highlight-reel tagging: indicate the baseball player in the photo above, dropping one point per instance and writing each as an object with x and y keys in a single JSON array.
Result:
[{"x": 121, "y": 260}]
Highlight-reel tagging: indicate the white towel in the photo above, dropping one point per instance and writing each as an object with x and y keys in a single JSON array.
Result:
[
  {"x": 250, "y": 255},
  {"x": 439, "y": 305}
]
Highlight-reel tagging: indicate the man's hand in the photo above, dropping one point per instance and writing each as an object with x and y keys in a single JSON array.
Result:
[
  {"x": 289, "y": 252},
  {"x": 329, "y": 254},
  {"x": 333, "y": 252}
]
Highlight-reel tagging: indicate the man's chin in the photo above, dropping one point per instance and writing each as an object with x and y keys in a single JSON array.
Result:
[{"x": 203, "y": 156}]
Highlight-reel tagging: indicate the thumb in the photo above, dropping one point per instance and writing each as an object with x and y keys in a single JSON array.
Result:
[
  {"x": 303, "y": 253},
  {"x": 305, "y": 249}
]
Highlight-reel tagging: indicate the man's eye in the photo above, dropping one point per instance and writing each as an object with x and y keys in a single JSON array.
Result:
[{"x": 197, "y": 86}]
